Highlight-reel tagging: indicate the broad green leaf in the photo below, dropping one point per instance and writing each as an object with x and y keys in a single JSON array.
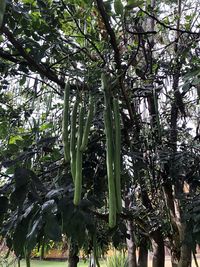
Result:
[
  {"x": 19, "y": 237},
  {"x": 15, "y": 138},
  {"x": 46, "y": 126},
  {"x": 118, "y": 6},
  {"x": 134, "y": 3},
  {"x": 3, "y": 129},
  {"x": 52, "y": 228},
  {"x": 34, "y": 230},
  {"x": 49, "y": 206}
]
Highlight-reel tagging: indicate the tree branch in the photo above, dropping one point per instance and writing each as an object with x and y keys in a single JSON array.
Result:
[
  {"x": 141, "y": 32},
  {"x": 85, "y": 36},
  {"x": 168, "y": 26},
  {"x": 31, "y": 61},
  {"x": 110, "y": 32},
  {"x": 5, "y": 55}
]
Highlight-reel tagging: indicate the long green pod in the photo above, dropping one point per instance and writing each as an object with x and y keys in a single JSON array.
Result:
[
  {"x": 2, "y": 11},
  {"x": 110, "y": 173},
  {"x": 117, "y": 155},
  {"x": 109, "y": 152},
  {"x": 65, "y": 124},
  {"x": 73, "y": 137},
  {"x": 88, "y": 124},
  {"x": 78, "y": 176}
]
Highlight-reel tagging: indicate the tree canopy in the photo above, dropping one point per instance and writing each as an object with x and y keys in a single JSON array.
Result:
[{"x": 99, "y": 125}]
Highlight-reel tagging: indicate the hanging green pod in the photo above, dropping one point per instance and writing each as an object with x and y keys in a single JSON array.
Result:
[
  {"x": 2, "y": 11},
  {"x": 78, "y": 176},
  {"x": 117, "y": 154},
  {"x": 88, "y": 124},
  {"x": 109, "y": 151},
  {"x": 65, "y": 124},
  {"x": 73, "y": 137}
]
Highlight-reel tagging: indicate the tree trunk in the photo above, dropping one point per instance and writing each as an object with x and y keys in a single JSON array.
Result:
[
  {"x": 143, "y": 254},
  {"x": 185, "y": 250},
  {"x": 174, "y": 259},
  {"x": 185, "y": 259},
  {"x": 132, "y": 261},
  {"x": 174, "y": 263},
  {"x": 158, "y": 250},
  {"x": 28, "y": 261},
  {"x": 73, "y": 258}
]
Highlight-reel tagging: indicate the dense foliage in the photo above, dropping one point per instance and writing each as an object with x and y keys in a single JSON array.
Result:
[{"x": 127, "y": 128}]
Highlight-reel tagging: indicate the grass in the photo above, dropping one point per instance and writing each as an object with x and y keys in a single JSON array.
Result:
[{"x": 38, "y": 263}]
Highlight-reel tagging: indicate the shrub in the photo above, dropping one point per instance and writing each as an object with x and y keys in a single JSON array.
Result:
[{"x": 118, "y": 259}]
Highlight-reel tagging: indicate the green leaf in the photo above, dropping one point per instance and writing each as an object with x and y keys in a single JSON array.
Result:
[
  {"x": 196, "y": 228},
  {"x": 49, "y": 207},
  {"x": 134, "y": 3},
  {"x": 34, "y": 230},
  {"x": 18, "y": 196},
  {"x": 3, "y": 129},
  {"x": 15, "y": 138},
  {"x": 74, "y": 224},
  {"x": 118, "y": 6},
  {"x": 77, "y": 228},
  {"x": 3, "y": 204},
  {"x": 19, "y": 236},
  {"x": 67, "y": 213},
  {"x": 52, "y": 228},
  {"x": 116, "y": 239},
  {"x": 21, "y": 176},
  {"x": 46, "y": 126}
]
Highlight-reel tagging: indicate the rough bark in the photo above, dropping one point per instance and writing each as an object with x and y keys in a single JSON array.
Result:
[
  {"x": 185, "y": 249},
  {"x": 158, "y": 250},
  {"x": 174, "y": 261},
  {"x": 132, "y": 261},
  {"x": 143, "y": 253},
  {"x": 185, "y": 259}
]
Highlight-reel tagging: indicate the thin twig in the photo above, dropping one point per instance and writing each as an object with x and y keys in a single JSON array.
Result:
[
  {"x": 84, "y": 35},
  {"x": 168, "y": 26}
]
